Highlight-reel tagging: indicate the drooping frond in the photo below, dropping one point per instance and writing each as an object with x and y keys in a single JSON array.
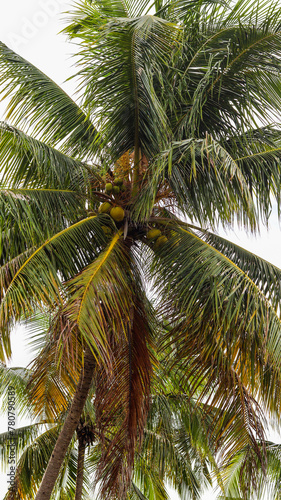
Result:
[
  {"x": 30, "y": 216},
  {"x": 122, "y": 402},
  {"x": 22, "y": 438},
  {"x": 31, "y": 465},
  {"x": 37, "y": 102},
  {"x": 30, "y": 163},
  {"x": 178, "y": 444},
  {"x": 205, "y": 180},
  {"x": 225, "y": 333},
  {"x": 101, "y": 297},
  {"x": 207, "y": 284},
  {"x": 17, "y": 378},
  {"x": 268, "y": 487},
  {"x": 258, "y": 155},
  {"x": 265, "y": 275},
  {"x": 227, "y": 76},
  {"x": 37, "y": 283}
]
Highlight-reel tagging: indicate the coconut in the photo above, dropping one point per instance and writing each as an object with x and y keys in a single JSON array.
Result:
[
  {"x": 118, "y": 181},
  {"x": 108, "y": 187},
  {"x": 117, "y": 213},
  {"x": 153, "y": 234},
  {"x": 104, "y": 208},
  {"x": 160, "y": 241},
  {"x": 116, "y": 189}
]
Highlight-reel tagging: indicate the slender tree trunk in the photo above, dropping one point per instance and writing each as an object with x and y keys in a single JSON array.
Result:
[
  {"x": 80, "y": 469},
  {"x": 69, "y": 428}
]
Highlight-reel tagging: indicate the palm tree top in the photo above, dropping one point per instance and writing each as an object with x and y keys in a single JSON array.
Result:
[{"x": 173, "y": 135}]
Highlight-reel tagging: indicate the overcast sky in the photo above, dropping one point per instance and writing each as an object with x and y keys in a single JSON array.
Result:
[{"x": 31, "y": 27}]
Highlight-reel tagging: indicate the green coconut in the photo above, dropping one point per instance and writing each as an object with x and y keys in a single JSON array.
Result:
[
  {"x": 118, "y": 181},
  {"x": 108, "y": 187},
  {"x": 160, "y": 241},
  {"x": 153, "y": 234},
  {"x": 105, "y": 208},
  {"x": 117, "y": 213},
  {"x": 116, "y": 189}
]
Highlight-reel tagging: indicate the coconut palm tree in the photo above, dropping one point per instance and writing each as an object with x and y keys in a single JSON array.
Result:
[{"x": 109, "y": 211}]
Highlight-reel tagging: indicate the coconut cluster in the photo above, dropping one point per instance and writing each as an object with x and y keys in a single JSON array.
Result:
[
  {"x": 157, "y": 238},
  {"x": 117, "y": 213},
  {"x": 114, "y": 188}
]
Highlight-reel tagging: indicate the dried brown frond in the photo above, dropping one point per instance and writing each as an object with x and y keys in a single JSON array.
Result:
[{"x": 122, "y": 402}]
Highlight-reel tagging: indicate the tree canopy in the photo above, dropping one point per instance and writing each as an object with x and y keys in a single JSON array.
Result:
[{"x": 109, "y": 214}]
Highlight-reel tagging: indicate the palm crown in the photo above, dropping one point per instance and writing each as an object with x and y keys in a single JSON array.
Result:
[{"x": 173, "y": 135}]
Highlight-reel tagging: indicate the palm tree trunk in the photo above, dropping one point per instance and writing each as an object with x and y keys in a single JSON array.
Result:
[
  {"x": 80, "y": 469},
  {"x": 69, "y": 427}
]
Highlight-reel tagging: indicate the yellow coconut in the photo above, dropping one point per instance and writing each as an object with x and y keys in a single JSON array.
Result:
[
  {"x": 160, "y": 241},
  {"x": 108, "y": 187},
  {"x": 117, "y": 213},
  {"x": 153, "y": 234},
  {"x": 118, "y": 181},
  {"x": 104, "y": 208}
]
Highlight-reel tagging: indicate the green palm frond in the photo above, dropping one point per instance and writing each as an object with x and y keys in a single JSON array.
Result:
[
  {"x": 36, "y": 101},
  {"x": 177, "y": 444},
  {"x": 23, "y": 437},
  {"x": 138, "y": 46},
  {"x": 17, "y": 378},
  {"x": 106, "y": 285},
  {"x": 258, "y": 155},
  {"x": 221, "y": 326},
  {"x": 231, "y": 65},
  {"x": 265, "y": 275},
  {"x": 35, "y": 214},
  {"x": 268, "y": 487},
  {"x": 30, "y": 163},
  {"x": 37, "y": 284},
  {"x": 31, "y": 465},
  {"x": 207, "y": 284},
  {"x": 205, "y": 180},
  {"x": 108, "y": 8}
]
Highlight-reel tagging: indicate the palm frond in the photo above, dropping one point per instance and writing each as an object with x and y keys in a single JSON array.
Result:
[
  {"x": 56, "y": 368},
  {"x": 122, "y": 401},
  {"x": 31, "y": 465},
  {"x": 268, "y": 486},
  {"x": 204, "y": 279},
  {"x": 227, "y": 75},
  {"x": 29, "y": 216},
  {"x": 36, "y": 101},
  {"x": 265, "y": 275},
  {"x": 22, "y": 438},
  {"x": 17, "y": 378},
  {"x": 37, "y": 282},
  {"x": 100, "y": 295},
  {"x": 30, "y": 163},
  {"x": 138, "y": 46}
]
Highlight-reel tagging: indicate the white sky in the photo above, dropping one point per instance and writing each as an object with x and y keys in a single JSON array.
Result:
[{"x": 30, "y": 28}]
